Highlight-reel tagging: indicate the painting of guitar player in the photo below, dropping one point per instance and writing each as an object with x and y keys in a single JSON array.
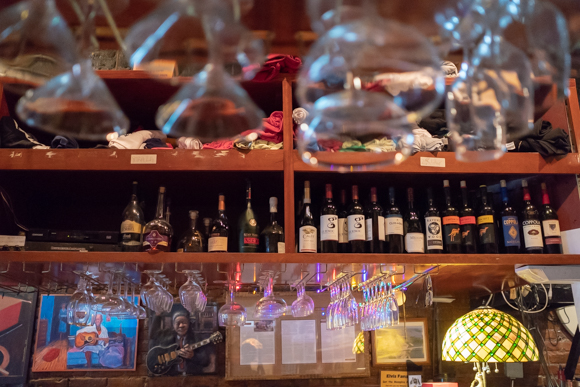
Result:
[
  {"x": 16, "y": 325},
  {"x": 181, "y": 343},
  {"x": 108, "y": 344}
]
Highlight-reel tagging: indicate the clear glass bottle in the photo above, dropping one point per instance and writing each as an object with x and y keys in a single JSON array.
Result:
[
  {"x": 192, "y": 241},
  {"x": 132, "y": 224}
]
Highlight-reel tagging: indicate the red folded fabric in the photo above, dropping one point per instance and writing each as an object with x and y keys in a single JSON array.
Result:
[
  {"x": 330, "y": 145},
  {"x": 220, "y": 144},
  {"x": 278, "y": 63},
  {"x": 273, "y": 128}
]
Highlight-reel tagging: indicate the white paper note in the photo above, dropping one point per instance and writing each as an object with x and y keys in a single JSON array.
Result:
[
  {"x": 298, "y": 341},
  {"x": 257, "y": 343},
  {"x": 337, "y": 345}
]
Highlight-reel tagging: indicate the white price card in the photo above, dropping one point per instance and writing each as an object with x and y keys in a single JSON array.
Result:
[
  {"x": 143, "y": 159},
  {"x": 433, "y": 162}
]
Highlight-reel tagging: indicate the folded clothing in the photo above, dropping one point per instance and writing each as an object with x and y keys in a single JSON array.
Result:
[
  {"x": 545, "y": 140},
  {"x": 381, "y": 145},
  {"x": 424, "y": 142},
  {"x": 156, "y": 143},
  {"x": 12, "y": 136},
  {"x": 330, "y": 145},
  {"x": 135, "y": 140},
  {"x": 63, "y": 142},
  {"x": 273, "y": 128},
  {"x": 278, "y": 63},
  {"x": 220, "y": 144},
  {"x": 189, "y": 143}
]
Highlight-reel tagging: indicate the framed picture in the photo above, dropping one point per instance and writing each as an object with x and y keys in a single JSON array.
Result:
[
  {"x": 16, "y": 326},
  {"x": 401, "y": 344},
  {"x": 108, "y": 345}
]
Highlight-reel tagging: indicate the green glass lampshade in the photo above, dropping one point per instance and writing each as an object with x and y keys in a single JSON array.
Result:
[{"x": 488, "y": 335}]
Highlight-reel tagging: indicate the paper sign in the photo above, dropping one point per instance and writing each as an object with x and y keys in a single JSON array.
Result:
[
  {"x": 432, "y": 162},
  {"x": 12, "y": 240},
  {"x": 143, "y": 159},
  {"x": 393, "y": 378},
  {"x": 161, "y": 68},
  {"x": 415, "y": 381}
]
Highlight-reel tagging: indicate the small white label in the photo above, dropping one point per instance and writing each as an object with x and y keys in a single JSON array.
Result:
[
  {"x": 12, "y": 240},
  {"x": 307, "y": 240},
  {"x": 551, "y": 228},
  {"x": 329, "y": 228},
  {"x": 356, "y": 228},
  {"x": 532, "y": 234},
  {"x": 369, "y": 230},
  {"x": 433, "y": 162},
  {"x": 281, "y": 247},
  {"x": 510, "y": 146},
  {"x": 415, "y": 242},
  {"x": 394, "y": 225},
  {"x": 342, "y": 230},
  {"x": 381, "y": 228},
  {"x": 143, "y": 159},
  {"x": 216, "y": 244},
  {"x": 434, "y": 233}
]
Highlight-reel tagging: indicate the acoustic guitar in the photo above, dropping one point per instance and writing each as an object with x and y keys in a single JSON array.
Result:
[
  {"x": 90, "y": 338},
  {"x": 161, "y": 359}
]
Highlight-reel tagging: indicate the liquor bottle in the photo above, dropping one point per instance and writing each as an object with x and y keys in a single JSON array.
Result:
[
  {"x": 249, "y": 229},
  {"x": 273, "y": 235},
  {"x": 192, "y": 241},
  {"x": 531, "y": 225},
  {"x": 550, "y": 225},
  {"x": 206, "y": 232},
  {"x": 486, "y": 226},
  {"x": 132, "y": 224},
  {"x": 307, "y": 238},
  {"x": 467, "y": 223},
  {"x": 343, "y": 246},
  {"x": 394, "y": 229},
  {"x": 433, "y": 227},
  {"x": 375, "y": 225},
  {"x": 158, "y": 233},
  {"x": 451, "y": 223},
  {"x": 356, "y": 224},
  {"x": 509, "y": 223},
  {"x": 414, "y": 237},
  {"x": 220, "y": 230},
  {"x": 328, "y": 224}
]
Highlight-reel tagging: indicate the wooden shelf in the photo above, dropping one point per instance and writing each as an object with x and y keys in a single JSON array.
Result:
[
  {"x": 120, "y": 160},
  {"x": 510, "y": 163}
]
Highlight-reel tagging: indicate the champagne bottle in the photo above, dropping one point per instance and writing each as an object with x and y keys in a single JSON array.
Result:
[
  {"x": 220, "y": 230},
  {"x": 248, "y": 226},
  {"x": 158, "y": 233},
  {"x": 206, "y": 232},
  {"x": 132, "y": 224},
  {"x": 356, "y": 224},
  {"x": 414, "y": 237},
  {"x": 509, "y": 223},
  {"x": 550, "y": 225},
  {"x": 467, "y": 223},
  {"x": 307, "y": 238},
  {"x": 433, "y": 227},
  {"x": 451, "y": 224},
  {"x": 192, "y": 241},
  {"x": 273, "y": 234},
  {"x": 394, "y": 229},
  {"x": 486, "y": 225},
  {"x": 531, "y": 225},
  {"x": 343, "y": 224},
  {"x": 375, "y": 225},
  {"x": 328, "y": 224}
]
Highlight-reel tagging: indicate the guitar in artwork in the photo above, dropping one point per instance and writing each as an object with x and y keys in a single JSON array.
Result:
[
  {"x": 161, "y": 359},
  {"x": 90, "y": 338}
]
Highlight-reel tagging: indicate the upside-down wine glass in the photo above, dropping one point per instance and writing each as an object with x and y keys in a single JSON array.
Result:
[
  {"x": 232, "y": 314},
  {"x": 269, "y": 307}
]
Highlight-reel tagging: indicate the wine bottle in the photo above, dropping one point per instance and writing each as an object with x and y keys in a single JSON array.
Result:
[
  {"x": 192, "y": 241},
  {"x": 467, "y": 223},
  {"x": 394, "y": 229},
  {"x": 248, "y": 226},
  {"x": 273, "y": 235},
  {"x": 328, "y": 224},
  {"x": 356, "y": 224},
  {"x": 433, "y": 227},
  {"x": 375, "y": 225},
  {"x": 531, "y": 225},
  {"x": 509, "y": 223},
  {"x": 550, "y": 225},
  {"x": 132, "y": 224},
  {"x": 206, "y": 232},
  {"x": 158, "y": 233},
  {"x": 307, "y": 238},
  {"x": 220, "y": 230},
  {"x": 486, "y": 226},
  {"x": 343, "y": 224},
  {"x": 414, "y": 237},
  {"x": 451, "y": 225}
]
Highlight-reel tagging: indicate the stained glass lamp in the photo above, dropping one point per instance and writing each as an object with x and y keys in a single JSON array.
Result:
[{"x": 486, "y": 335}]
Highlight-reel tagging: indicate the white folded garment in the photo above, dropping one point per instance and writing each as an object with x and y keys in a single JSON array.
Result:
[{"x": 135, "y": 140}]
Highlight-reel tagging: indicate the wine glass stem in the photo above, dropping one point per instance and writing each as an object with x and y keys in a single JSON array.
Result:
[{"x": 232, "y": 293}]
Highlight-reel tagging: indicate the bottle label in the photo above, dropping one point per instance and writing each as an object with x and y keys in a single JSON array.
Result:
[
  {"x": 483, "y": 219},
  {"x": 381, "y": 226},
  {"x": 307, "y": 240},
  {"x": 342, "y": 230},
  {"x": 394, "y": 225},
  {"x": 329, "y": 228},
  {"x": 532, "y": 234},
  {"x": 467, "y": 234},
  {"x": 415, "y": 242},
  {"x": 130, "y": 227},
  {"x": 180, "y": 250},
  {"x": 281, "y": 247},
  {"x": 450, "y": 220},
  {"x": 154, "y": 240},
  {"x": 369, "y": 230},
  {"x": 511, "y": 234},
  {"x": 467, "y": 220},
  {"x": 452, "y": 234},
  {"x": 553, "y": 241},
  {"x": 551, "y": 228},
  {"x": 486, "y": 232},
  {"x": 356, "y": 228},
  {"x": 217, "y": 243},
  {"x": 434, "y": 235},
  {"x": 251, "y": 239}
]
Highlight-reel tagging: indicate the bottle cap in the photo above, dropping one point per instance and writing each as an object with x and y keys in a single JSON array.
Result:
[
  {"x": 193, "y": 214},
  {"x": 207, "y": 221},
  {"x": 544, "y": 186},
  {"x": 161, "y": 189},
  {"x": 445, "y": 183},
  {"x": 502, "y": 183},
  {"x": 306, "y": 184},
  {"x": 524, "y": 183},
  {"x": 273, "y": 204},
  {"x": 462, "y": 184}
]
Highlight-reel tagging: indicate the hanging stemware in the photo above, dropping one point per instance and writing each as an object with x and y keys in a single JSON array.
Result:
[
  {"x": 232, "y": 314},
  {"x": 269, "y": 307},
  {"x": 79, "y": 310}
]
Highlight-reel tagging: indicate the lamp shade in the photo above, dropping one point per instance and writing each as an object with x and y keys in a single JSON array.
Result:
[{"x": 488, "y": 335}]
